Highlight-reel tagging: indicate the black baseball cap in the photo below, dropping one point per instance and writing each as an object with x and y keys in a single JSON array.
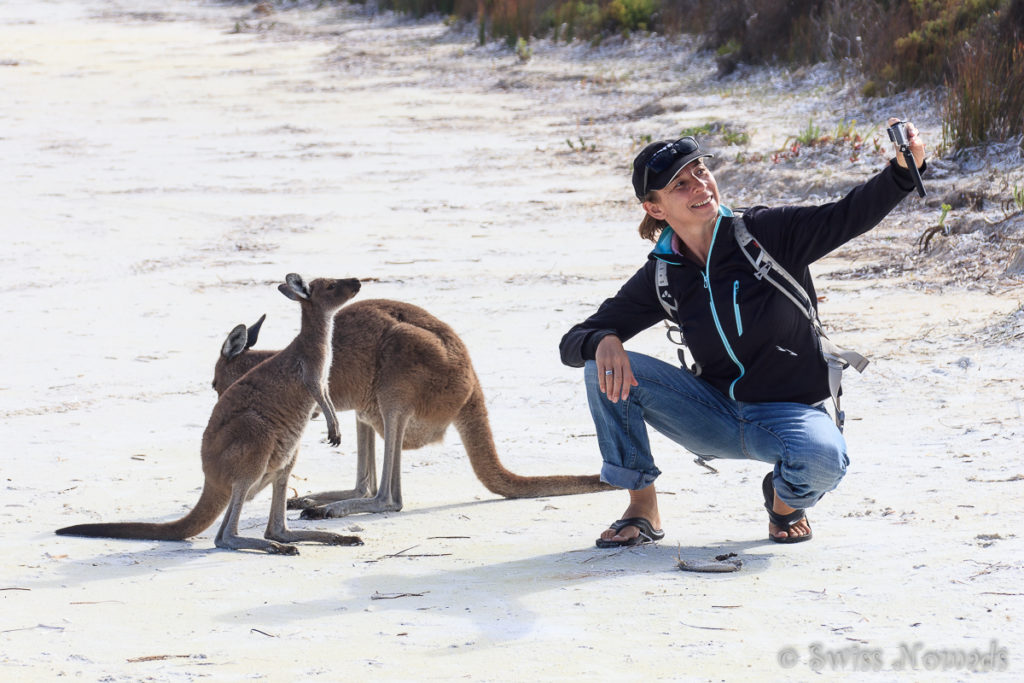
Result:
[{"x": 659, "y": 162}]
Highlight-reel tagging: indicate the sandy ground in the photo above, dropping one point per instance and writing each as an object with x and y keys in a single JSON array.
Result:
[{"x": 165, "y": 164}]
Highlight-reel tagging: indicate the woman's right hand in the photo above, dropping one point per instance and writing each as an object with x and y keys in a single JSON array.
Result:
[
  {"x": 614, "y": 374},
  {"x": 916, "y": 144}
]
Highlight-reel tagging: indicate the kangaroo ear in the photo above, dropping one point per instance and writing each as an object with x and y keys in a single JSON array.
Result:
[
  {"x": 235, "y": 343},
  {"x": 254, "y": 332},
  {"x": 294, "y": 288}
]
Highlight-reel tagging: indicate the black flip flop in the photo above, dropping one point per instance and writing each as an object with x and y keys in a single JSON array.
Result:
[
  {"x": 779, "y": 520},
  {"x": 648, "y": 534}
]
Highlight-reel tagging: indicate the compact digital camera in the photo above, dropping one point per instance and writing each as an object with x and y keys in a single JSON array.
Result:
[{"x": 898, "y": 134}]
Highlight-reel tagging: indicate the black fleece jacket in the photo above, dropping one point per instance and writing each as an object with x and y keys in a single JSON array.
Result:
[{"x": 750, "y": 341}]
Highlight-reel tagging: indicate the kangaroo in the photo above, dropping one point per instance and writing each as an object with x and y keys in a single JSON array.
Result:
[
  {"x": 408, "y": 377},
  {"x": 253, "y": 434}
]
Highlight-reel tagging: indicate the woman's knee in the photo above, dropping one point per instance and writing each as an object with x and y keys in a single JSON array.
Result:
[
  {"x": 832, "y": 464},
  {"x": 813, "y": 470}
]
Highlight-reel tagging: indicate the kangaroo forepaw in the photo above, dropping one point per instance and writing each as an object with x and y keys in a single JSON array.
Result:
[
  {"x": 346, "y": 540},
  {"x": 334, "y": 439},
  {"x": 301, "y": 503},
  {"x": 282, "y": 549},
  {"x": 317, "y": 512}
]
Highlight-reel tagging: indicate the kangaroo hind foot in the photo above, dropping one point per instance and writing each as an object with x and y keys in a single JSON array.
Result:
[
  {"x": 277, "y": 525},
  {"x": 227, "y": 536}
]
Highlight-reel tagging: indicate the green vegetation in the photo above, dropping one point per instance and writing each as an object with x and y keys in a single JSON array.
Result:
[
  {"x": 811, "y": 135},
  {"x": 942, "y": 217},
  {"x": 523, "y": 50},
  {"x": 974, "y": 49},
  {"x": 985, "y": 96},
  {"x": 581, "y": 145},
  {"x": 940, "y": 228},
  {"x": 844, "y": 136},
  {"x": 730, "y": 136}
]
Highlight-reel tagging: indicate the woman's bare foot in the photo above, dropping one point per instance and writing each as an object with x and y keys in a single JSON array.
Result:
[{"x": 642, "y": 503}]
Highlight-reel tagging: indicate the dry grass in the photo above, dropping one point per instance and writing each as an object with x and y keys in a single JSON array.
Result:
[{"x": 972, "y": 48}]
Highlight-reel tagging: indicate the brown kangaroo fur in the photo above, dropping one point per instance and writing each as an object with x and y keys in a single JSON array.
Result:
[
  {"x": 253, "y": 435},
  {"x": 408, "y": 376}
]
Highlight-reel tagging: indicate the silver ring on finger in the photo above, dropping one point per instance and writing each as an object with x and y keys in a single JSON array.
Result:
[{"x": 609, "y": 372}]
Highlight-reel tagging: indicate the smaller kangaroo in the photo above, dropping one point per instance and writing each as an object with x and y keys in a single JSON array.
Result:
[{"x": 253, "y": 435}]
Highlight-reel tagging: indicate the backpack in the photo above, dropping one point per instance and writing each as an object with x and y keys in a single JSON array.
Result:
[{"x": 767, "y": 268}]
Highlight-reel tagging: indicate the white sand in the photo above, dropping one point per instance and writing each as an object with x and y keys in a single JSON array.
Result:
[{"x": 162, "y": 173}]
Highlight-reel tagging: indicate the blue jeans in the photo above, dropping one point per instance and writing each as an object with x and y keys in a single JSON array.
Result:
[{"x": 801, "y": 441}]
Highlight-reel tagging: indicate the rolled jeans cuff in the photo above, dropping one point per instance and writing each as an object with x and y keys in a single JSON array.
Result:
[{"x": 627, "y": 479}]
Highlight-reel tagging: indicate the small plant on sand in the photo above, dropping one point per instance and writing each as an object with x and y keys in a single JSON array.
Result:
[
  {"x": 847, "y": 134},
  {"x": 523, "y": 50},
  {"x": 847, "y": 130},
  {"x": 788, "y": 151},
  {"x": 641, "y": 141},
  {"x": 940, "y": 227},
  {"x": 754, "y": 158},
  {"x": 1017, "y": 197},
  {"x": 812, "y": 135},
  {"x": 735, "y": 137},
  {"x": 730, "y": 136},
  {"x": 809, "y": 137},
  {"x": 697, "y": 131},
  {"x": 581, "y": 145}
]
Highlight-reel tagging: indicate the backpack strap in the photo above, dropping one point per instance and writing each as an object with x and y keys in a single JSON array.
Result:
[
  {"x": 668, "y": 302},
  {"x": 839, "y": 359},
  {"x": 767, "y": 268}
]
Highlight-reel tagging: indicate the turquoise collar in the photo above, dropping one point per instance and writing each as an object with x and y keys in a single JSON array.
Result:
[{"x": 663, "y": 247}]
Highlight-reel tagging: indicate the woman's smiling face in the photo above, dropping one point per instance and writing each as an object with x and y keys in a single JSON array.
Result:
[{"x": 690, "y": 199}]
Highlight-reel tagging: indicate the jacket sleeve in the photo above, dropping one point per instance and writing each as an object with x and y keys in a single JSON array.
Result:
[
  {"x": 800, "y": 235},
  {"x": 632, "y": 310}
]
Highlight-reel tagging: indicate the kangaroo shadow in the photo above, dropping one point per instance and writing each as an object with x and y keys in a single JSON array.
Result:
[
  {"x": 138, "y": 557},
  {"x": 493, "y": 597},
  {"x": 132, "y": 558}
]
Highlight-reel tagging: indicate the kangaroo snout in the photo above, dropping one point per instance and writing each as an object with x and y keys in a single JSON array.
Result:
[
  {"x": 334, "y": 292},
  {"x": 352, "y": 285}
]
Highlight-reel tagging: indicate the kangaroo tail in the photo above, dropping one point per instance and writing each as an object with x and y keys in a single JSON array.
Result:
[
  {"x": 211, "y": 503},
  {"x": 475, "y": 429}
]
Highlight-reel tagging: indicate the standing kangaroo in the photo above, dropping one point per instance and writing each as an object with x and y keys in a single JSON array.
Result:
[
  {"x": 408, "y": 376},
  {"x": 253, "y": 435}
]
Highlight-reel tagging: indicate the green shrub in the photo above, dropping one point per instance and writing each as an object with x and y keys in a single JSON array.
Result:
[
  {"x": 985, "y": 95},
  {"x": 630, "y": 15},
  {"x": 421, "y": 8},
  {"x": 972, "y": 47},
  {"x": 924, "y": 54}
]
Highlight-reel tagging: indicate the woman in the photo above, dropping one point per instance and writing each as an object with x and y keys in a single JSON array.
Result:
[{"x": 757, "y": 387}]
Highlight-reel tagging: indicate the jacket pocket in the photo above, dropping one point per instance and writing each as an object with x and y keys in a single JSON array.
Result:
[{"x": 736, "y": 307}]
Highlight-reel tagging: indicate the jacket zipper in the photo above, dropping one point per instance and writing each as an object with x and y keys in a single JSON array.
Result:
[
  {"x": 736, "y": 307},
  {"x": 714, "y": 313}
]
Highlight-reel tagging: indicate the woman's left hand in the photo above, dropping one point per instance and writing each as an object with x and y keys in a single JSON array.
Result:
[{"x": 916, "y": 144}]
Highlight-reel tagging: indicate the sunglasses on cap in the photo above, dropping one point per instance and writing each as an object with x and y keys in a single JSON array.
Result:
[{"x": 666, "y": 156}]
